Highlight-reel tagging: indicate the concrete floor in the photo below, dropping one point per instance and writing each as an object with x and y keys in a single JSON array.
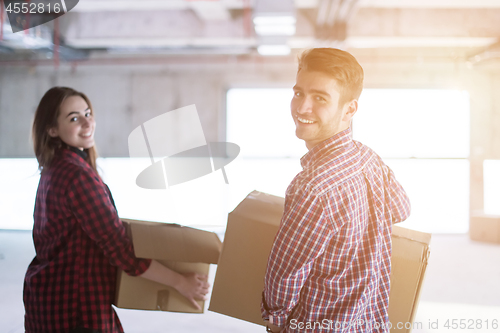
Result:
[{"x": 462, "y": 283}]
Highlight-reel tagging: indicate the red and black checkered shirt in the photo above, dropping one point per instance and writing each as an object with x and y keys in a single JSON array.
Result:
[
  {"x": 79, "y": 242},
  {"x": 329, "y": 267}
]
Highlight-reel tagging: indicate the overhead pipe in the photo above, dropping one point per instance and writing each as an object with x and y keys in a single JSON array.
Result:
[
  {"x": 488, "y": 55},
  {"x": 353, "y": 11},
  {"x": 333, "y": 12},
  {"x": 56, "y": 43},
  {"x": 340, "y": 11},
  {"x": 341, "y": 19},
  {"x": 337, "y": 15},
  {"x": 201, "y": 60},
  {"x": 344, "y": 9},
  {"x": 151, "y": 61},
  {"x": 492, "y": 52},
  {"x": 323, "y": 9},
  {"x": 27, "y": 23},
  {"x": 345, "y": 14},
  {"x": 247, "y": 18},
  {"x": 1, "y": 19}
]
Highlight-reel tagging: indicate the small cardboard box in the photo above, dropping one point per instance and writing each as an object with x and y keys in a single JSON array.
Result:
[
  {"x": 484, "y": 228},
  {"x": 410, "y": 254},
  {"x": 250, "y": 232},
  {"x": 180, "y": 248}
]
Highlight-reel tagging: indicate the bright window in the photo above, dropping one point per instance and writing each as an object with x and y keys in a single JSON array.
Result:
[
  {"x": 18, "y": 183},
  {"x": 201, "y": 203},
  {"x": 414, "y": 123},
  {"x": 423, "y": 135},
  {"x": 259, "y": 121},
  {"x": 491, "y": 176}
]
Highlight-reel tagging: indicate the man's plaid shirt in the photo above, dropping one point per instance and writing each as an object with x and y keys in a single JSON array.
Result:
[
  {"x": 79, "y": 242},
  {"x": 329, "y": 267}
]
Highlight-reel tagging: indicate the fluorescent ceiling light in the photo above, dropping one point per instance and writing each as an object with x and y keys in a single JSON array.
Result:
[
  {"x": 274, "y": 20},
  {"x": 275, "y": 30},
  {"x": 273, "y": 50},
  {"x": 274, "y": 25}
]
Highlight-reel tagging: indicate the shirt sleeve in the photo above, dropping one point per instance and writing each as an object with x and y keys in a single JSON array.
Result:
[
  {"x": 94, "y": 210},
  {"x": 301, "y": 238},
  {"x": 399, "y": 203}
]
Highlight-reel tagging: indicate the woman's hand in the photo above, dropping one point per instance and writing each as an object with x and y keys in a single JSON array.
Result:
[{"x": 194, "y": 287}]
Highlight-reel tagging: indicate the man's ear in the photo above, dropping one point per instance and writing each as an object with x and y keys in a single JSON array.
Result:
[
  {"x": 351, "y": 109},
  {"x": 53, "y": 132}
]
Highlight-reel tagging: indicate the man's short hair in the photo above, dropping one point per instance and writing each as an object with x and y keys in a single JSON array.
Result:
[{"x": 338, "y": 64}]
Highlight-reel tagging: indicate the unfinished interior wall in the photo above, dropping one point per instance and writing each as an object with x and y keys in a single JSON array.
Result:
[{"x": 125, "y": 96}]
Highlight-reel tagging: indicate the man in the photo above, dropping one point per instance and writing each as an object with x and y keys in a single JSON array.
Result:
[{"x": 329, "y": 267}]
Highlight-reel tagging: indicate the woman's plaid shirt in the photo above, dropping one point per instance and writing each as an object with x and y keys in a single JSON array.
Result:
[
  {"x": 329, "y": 267},
  {"x": 79, "y": 242}
]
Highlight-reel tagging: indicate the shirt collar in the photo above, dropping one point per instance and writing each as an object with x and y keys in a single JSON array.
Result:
[
  {"x": 82, "y": 153},
  {"x": 339, "y": 140}
]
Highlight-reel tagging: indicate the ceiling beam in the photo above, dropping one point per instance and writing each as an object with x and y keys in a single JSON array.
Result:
[
  {"x": 210, "y": 10},
  {"x": 146, "y": 5},
  {"x": 370, "y": 27},
  {"x": 294, "y": 42},
  {"x": 430, "y": 3}
]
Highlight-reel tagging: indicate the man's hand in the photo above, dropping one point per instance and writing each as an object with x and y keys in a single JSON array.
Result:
[{"x": 274, "y": 328}]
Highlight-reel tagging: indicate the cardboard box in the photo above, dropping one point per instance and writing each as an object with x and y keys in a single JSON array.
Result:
[
  {"x": 239, "y": 280},
  {"x": 484, "y": 228},
  {"x": 250, "y": 232},
  {"x": 410, "y": 254},
  {"x": 182, "y": 249}
]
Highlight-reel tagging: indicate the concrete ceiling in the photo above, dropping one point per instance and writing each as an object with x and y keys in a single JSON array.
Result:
[{"x": 98, "y": 28}]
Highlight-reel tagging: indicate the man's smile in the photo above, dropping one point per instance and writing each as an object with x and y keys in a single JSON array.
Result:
[{"x": 305, "y": 121}]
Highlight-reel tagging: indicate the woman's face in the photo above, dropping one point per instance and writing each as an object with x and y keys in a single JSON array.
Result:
[{"x": 75, "y": 123}]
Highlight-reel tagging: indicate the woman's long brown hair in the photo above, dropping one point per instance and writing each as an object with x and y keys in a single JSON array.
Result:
[{"x": 45, "y": 118}]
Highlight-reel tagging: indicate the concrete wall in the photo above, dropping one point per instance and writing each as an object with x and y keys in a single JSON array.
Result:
[{"x": 124, "y": 96}]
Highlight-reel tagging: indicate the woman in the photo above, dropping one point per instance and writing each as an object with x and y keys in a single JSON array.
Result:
[{"x": 79, "y": 240}]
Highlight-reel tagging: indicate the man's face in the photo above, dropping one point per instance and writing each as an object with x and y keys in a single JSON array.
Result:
[{"x": 315, "y": 108}]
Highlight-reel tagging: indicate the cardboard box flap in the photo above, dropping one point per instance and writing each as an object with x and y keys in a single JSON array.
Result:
[
  {"x": 164, "y": 241},
  {"x": 261, "y": 207},
  {"x": 201, "y": 246},
  {"x": 414, "y": 235}
]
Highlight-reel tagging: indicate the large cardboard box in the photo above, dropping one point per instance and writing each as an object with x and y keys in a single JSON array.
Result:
[
  {"x": 250, "y": 232},
  {"x": 180, "y": 248},
  {"x": 484, "y": 227},
  {"x": 239, "y": 279}
]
